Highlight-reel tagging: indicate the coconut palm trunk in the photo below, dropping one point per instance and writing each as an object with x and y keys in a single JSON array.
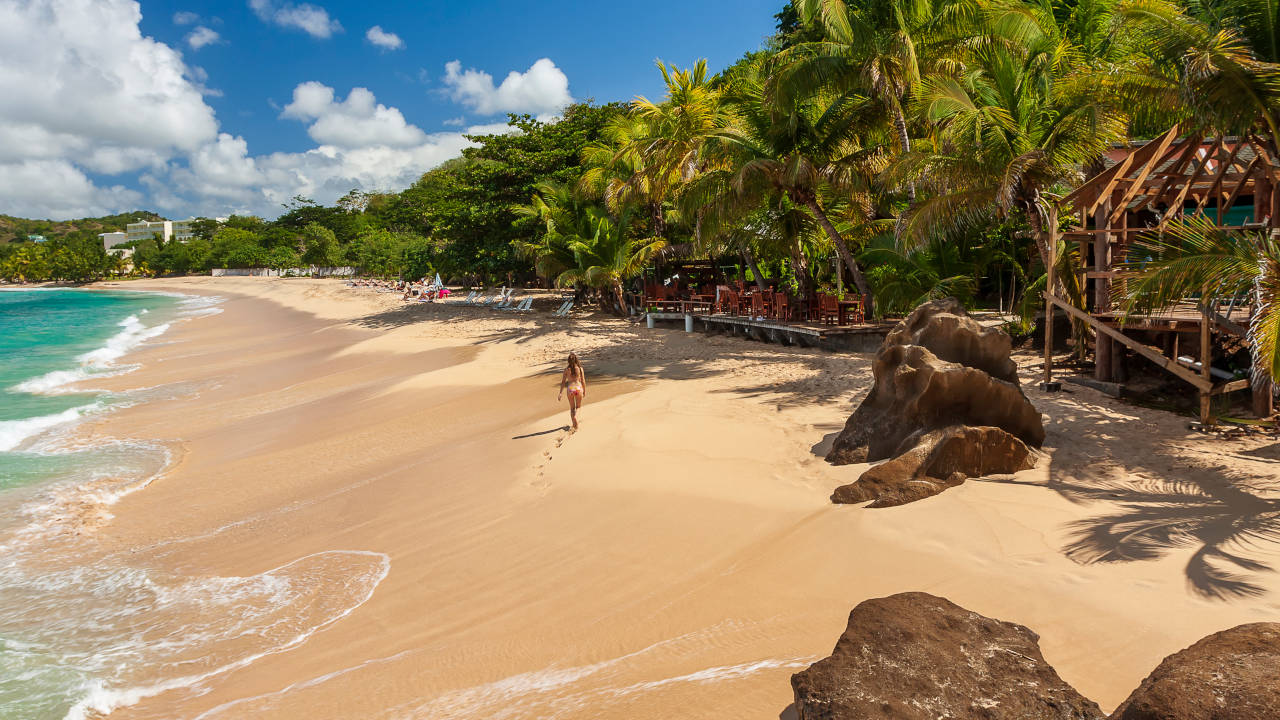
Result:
[
  {"x": 842, "y": 248},
  {"x": 755, "y": 269},
  {"x": 904, "y": 139},
  {"x": 799, "y": 266}
]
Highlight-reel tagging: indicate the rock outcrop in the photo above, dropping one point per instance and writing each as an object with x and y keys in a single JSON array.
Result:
[
  {"x": 1230, "y": 675},
  {"x": 914, "y": 656},
  {"x": 945, "y": 405}
]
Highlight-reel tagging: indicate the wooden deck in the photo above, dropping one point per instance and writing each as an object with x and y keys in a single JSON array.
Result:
[{"x": 852, "y": 338}]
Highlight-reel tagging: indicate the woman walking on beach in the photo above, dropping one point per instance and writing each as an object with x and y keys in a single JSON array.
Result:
[{"x": 575, "y": 381}]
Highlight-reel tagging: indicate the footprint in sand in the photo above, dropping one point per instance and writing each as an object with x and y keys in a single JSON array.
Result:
[{"x": 540, "y": 470}]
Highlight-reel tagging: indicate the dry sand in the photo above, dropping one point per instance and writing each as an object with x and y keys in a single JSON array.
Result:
[{"x": 677, "y": 557}]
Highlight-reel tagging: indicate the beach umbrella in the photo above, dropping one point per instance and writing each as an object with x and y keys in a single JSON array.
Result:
[{"x": 439, "y": 283}]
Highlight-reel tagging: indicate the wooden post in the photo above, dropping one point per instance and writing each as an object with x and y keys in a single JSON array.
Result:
[
  {"x": 1050, "y": 288},
  {"x": 1206, "y": 357},
  {"x": 1102, "y": 290},
  {"x": 1262, "y": 404}
]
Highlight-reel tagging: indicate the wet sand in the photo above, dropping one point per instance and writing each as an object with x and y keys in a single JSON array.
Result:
[{"x": 677, "y": 557}]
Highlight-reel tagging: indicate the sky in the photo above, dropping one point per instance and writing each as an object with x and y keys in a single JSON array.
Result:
[{"x": 194, "y": 108}]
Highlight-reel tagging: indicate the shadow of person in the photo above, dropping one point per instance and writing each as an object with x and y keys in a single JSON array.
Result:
[{"x": 542, "y": 432}]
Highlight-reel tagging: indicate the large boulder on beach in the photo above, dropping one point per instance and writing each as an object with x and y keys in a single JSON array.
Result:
[
  {"x": 915, "y": 656},
  {"x": 945, "y": 404},
  {"x": 938, "y": 460},
  {"x": 1230, "y": 675}
]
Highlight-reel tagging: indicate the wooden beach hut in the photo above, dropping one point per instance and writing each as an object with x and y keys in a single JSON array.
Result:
[{"x": 1230, "y": 180}]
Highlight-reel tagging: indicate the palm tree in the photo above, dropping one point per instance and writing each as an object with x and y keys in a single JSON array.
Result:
[
  {"x": 1194, "y": 255},
  {"x": 609, "y": 257},
  {"x": 658, "y": 145},
  {"x": 1222, "y": 67},
  {"x": 870, "y": 49},
  {"x": 565, "y": 217},
  {"x": 1017, "y": 123},
  {"x": 808, "y": 155}
]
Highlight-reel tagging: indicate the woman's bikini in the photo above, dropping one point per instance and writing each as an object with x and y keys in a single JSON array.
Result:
[{"x": 574, "y": 386}]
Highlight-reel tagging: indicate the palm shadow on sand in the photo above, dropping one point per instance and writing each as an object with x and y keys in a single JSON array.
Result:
[{"x": 1165, "y": 497}]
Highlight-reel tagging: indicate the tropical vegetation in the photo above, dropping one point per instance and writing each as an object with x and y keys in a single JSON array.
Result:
[{"x": 900, "y": 149}]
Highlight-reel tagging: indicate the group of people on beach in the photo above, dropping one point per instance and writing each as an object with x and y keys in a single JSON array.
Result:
[{"x": 423, "y": 290}]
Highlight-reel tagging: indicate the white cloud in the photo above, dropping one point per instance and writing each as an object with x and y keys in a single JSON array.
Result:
[
  {"x": 311, "y": 19},
  {"x": 455, "y": 122},
  {"x": 185, "y": 18},
  {"x": 201, "y": 37},
  {"x": 223, "y": 177},
  {"x": 56, "y": 189},
  {"x": 82, "y": 109},
  {"x": 358, "y": 121},
  {"x": 383, "y": 39},
  {"x": 76, "y": 105},
  {"x": 543, "y": 89}
]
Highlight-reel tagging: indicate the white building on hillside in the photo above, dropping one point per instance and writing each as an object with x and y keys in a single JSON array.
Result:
[
  {"x": 143, "y": 230},
  {"x": 179, "y": 230},
  {"x": 112, "y": 239}
]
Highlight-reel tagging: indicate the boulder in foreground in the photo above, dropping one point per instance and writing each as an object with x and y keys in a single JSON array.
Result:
[
  {"x": 915, "y": 656},
  {"x": 1230, "y": 675}
]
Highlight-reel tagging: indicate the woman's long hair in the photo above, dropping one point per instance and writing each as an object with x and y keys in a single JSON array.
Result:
[{"x": 573, "y": 363}]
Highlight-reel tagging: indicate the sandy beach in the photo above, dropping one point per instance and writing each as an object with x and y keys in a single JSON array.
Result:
[{"x": 404, "y": 479}]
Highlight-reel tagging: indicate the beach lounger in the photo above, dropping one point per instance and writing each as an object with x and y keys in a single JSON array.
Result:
[
  {"x": 564, "y": 309},
  {"x": 524, "y": 305},
  {"x": 470, "y": 298}
]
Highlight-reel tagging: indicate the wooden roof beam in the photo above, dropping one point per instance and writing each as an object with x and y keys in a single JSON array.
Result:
[
  {"x": 1217, "y": 181},
  {"x": 1175, "y": 207},
  {"x": 1089, "y": 189},
  {"x": 1172, "y": 174},
  {"x": 1119, "y": 209},
  {"x": 1231, "y": 199}
]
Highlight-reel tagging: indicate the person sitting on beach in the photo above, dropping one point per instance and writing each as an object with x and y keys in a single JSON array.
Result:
[{"x": 575, "y": 380}]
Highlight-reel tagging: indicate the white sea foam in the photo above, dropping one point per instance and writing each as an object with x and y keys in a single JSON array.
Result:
[
  {"x": 200, "y": 305},
  {"x": 14, "y": 432},
  {"x": 273, "y": 612},
  {"x": 96, "y": 363}
]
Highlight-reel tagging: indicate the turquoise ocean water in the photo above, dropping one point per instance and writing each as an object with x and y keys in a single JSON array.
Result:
[
  {"x": 51, "y": 339},
  {"x": 85, "y": 630}
]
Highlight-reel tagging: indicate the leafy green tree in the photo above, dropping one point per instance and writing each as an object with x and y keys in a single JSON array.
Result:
[
  {"x": 236, "y": 248},
  {"x": 282, "y": 258},
  {"x": 320, "y": 246},
  {"x": 466, "y": 206},
  {"x": 417, "y": 260},
  {"x": 378, "y": 252}
]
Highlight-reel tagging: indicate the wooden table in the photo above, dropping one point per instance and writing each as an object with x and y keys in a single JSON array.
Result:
[{"x": 843, "y": 307}]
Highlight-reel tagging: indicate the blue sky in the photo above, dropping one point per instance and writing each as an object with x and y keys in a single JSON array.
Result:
[{"x": 209, "y": 108}]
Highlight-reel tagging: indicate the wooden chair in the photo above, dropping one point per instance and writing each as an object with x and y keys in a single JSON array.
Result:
[
  {"x": 782, "y": 306},
  {"x": 828, "y": 309},
  {"x": 757, "y": 305},
  {"x": 858, "y": 313}
]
